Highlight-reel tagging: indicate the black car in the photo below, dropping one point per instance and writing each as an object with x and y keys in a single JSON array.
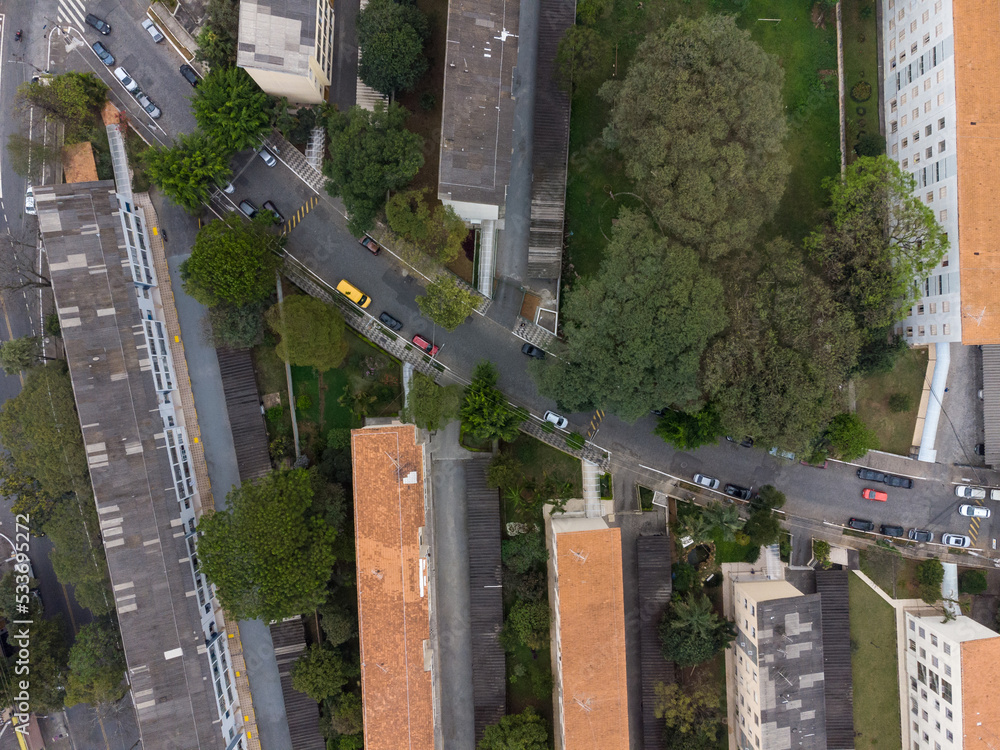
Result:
[
  {"x": 98, "y": 23},
  {"x": 889, "y": 529},
  {"x": 269, "y": 206},
  {"x": 893, "y": 481},
  {"x": 980, "y": 449},
  {"x": 920, "y": 535},
  {"x": 746, "y": 442},
  {"x": 861, "y": 524},
  {"x": 189, "y": 75},
  {"x": 532, "y": 351},
  {"x": 248, "y": 209},
  {"x": 870, "y": 475},
  {"x": 390, "y": 322},
  {"x": 734, "y": 490},
  {"x": 102, "y": 52}
]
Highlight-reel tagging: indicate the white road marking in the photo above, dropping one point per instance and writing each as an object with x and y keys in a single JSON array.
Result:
[{"x": 72, "y": 11}]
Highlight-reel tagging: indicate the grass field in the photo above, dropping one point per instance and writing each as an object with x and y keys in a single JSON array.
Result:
[
  {"x": 893, "y": 573},
  {"x": 894, "y": 429},
  {"x": 874, "y": 668},
  {"x": 860, "y": 64}
]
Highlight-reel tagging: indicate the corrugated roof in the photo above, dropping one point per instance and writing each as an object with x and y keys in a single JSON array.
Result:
[
  {"x": 653, "y": 553},
  {"x": 977, "y": 102},
  {"x": 991, "y": 404},
  {"x": 832, "y": 586},
  {"x": 245, "y": 418},
  {"x": 981, "y": 694},
  {"x": 393, "y": 609},
  {"x": 591, "y": 622},
  {"x": 289, "y": 639}
]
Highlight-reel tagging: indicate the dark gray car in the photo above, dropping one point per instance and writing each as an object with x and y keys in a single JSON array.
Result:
[
  {"x": 861, "y": 524},
  {"x": 390, "y": 322},
  {"x": 889, "y": 529},
  {"x": 98, "y": 23},
  {"x": 102, "y": 52},
  {"x": 870, "y": 475}
]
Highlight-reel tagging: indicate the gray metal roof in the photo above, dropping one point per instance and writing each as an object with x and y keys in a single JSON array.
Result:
[
  {"x": 478, "y": 112},
  {"x": 653, "y": 553},
  {"x": 117, "y": 403},
  {"x": 276, "y": 35},
  {"x": 245, "y": 419},
  {"x": 991, "y": 404},
  {"x": 832, "y": 586}
]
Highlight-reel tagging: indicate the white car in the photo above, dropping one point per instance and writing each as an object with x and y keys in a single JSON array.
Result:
[
  {"x": 711, "y": 482},
  {"x": 147, "y": 104},
  {"x": 268, "y": 157},
  {"x": 969, "y": 492},
  {"x": 130, "y": 85},
  {"x": 973, "y": 511},
  {"x": 956, "y": 540},
  {"x": 154, "y": 32},
  {"x": 29, "y": 201},
  {"x": 559, "y": 421}
]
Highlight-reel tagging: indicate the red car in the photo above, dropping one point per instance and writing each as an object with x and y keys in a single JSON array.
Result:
[
  {"x": 869, "y": 494},
  {"x": 428, "y": 347},
  {"x": 371, "y": 245}
]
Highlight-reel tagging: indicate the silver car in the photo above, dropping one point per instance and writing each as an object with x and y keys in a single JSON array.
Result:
[
  {"x": 146, "y": 103},
  {"x": 969, "y": 492},
  {"x": 705, "y": 481},
  {"x": 122, "y": 75}
]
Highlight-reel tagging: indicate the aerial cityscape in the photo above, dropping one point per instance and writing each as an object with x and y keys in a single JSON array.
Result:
[{"x": 499, "y": 375}]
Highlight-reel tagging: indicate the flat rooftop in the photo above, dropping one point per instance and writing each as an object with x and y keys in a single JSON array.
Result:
[
  {"x": 117, "y": 402},
  {"x": 478, "y": 112},
  {"x": 277, "y": 35},
  {"x": 393, "y": 610}
]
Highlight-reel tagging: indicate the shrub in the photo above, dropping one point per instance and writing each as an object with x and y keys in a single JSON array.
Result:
[
  {"x": 821, "y": 551},
  {"x": 861, "y": 91},
  {"x": 870, "y": 144},
  {"x": 972, "y": 582},
  {"x": 52, "y": 324},
  {"x": 303, "y": 402},
  {"x": 930, "y": 574},
  {"x": 900, "y": 402},
  {"x": 574, "y": 441}
]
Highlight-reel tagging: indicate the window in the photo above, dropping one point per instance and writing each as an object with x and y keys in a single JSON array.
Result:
[
  {"x": 930, "y": 197},
  {"x": 937, "y": 6},
  {"x": 892, "y": 24},
  {"x": 902, "y": 99},
  {"x": 933, "y": 309},
  {"x": 916, "y": 136},
  {"x": 940, "y": 76},
  {"x": 933, "y": 683},
  {"x": 893, "y": 126},
  {"x": 922, "y": 673},
  {"x": 900, "y": 14},
  {"x": 928, "y": 130},
  {"x": 913, "y": 27},
  {"x": 920, "y": 309},
  {"x": 916, "y": 112},
  {"x": 934, "y": 643},
  {"x": 942, "y": 194},
  {"x": 909, "y": 334},
  {"x": 948, "y": 714},
  {"x": 906, "y": 142},
  {"x": 925, "y": 17},
  {"x": 940, "y": 99},
  {"x": 941, "y": 123},
  {"x": 906, "y": 163},
  {"x": 920, "y": 332},
  {"x": 929, "y": 152},
  {"x": 892, "y": 106},
  {"x": 895, "y": 149},
  {"x": 945, "y": 306},
  {"x": 939, "y": 29},
  {"x": 927, "y": 106},
  {"x": 943, "y": 214},
  {"x": 916, "y": 158},
  {"x": 913, "y": 684},
  {"x": 949, "y": 735},
  {"x": 947, "y": 646},
  {"x": 941, "y": 147},
  {"x": 904, "y": 120},
  {"x": 913, "y": 47},
  {"x": 933, "y": 330},
  {"x": 927, "y": 84},
  {"x": 913, "y": 625},
  {"x": 946, "y": 328},
  {"x": 913, "y": 706},
  {"x": 913, "y": 645},
  {"x": 923, "y": 633},
  {"x": 946, "y": 691}
]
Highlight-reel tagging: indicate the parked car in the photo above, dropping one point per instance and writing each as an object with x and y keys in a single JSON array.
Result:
[
  {"x": 98, "y": 23},
  {"x": 267, "y": 156},
  {"x": 390, "y": 322},
  {"x": 746, "y": 442},
  {"x": 888, "y": 529},
  {"x": 421, "y": 343},
  {"x": 102, "y": 52},
  {"x": 146, "y": 103},
  {"x": 189, "y": 75},
  {"x": 973, "y": 511},
  {"x": 559, "y": 421},
  {"x": 705, "y": 481},
  {"x": 778, "y": 452},
  {"x": 920, "y": 535},
  {"x": 861, "y": 524},
  {"x": 994, "y": 494},
  {"x": 269, "y": 206},
  {"x": 980, "y": 449},
  {"x": 969, "y": 492},
  {"x": 734, "y": 490},
  {"x": 878, "y": 495},
  {"x": 228, "y": 189},
  {"x": 29, "y": 202},
  {"x": 123, "y": 76},
  {"x": 248, "y": 208},
  {"x": 870, "y": 475},
  {"x": 895, "y": 481},
  {"x": 371, "y": 245},
  {"x": 956, "y": 540},
  {"x": 533, "y": 351},
  {"x": 354, "y": 294},
  {"x": 154, "y": 32}
]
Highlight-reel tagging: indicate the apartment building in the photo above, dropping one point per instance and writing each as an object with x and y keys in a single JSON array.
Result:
[
  {"x": 287, "y": 47},
  {"x": 953, "y": 690},
  {"x": 779, "y": 670}
]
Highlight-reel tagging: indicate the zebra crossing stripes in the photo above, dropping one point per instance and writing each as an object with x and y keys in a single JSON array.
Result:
[{"x": 71, "y": 12}]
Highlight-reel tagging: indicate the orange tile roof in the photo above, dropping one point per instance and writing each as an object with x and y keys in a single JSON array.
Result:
[
  {"x": 392, "y": 588},
  {"x": 977, "y": 58},
  {"x": 981, "y": 694},
  {"x": 592, "y": 639}
]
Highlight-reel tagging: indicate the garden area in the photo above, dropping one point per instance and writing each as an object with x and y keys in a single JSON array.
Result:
[
  {"x": 894, "y": 574},
  {"x": 887, "y": 401},
  {"x": 861, "y": 79},
  {"x": 874, "y": 669}
]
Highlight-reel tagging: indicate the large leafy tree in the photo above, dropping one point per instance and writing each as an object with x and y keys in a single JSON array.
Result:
[
  {"x": 391, "y": 36},
  {"x": 77, "y": 555},
  {"x": 523, "y": 731},
  {"x": 582, "y": 59},
  {"x": 28, "y": 157},
  {"x": 447, "y": 302},
  {"x": 75, "y": 99},
  {"x": 21, "y": 354},
  {"x": 435, "y": 229},
  {"x": 429, "y": 406},
  {"x": 691, "y": 632},
  {"x": 218, "y": 36},
  {"x": 231, "y": 109},
  {"x": 266, "y": 554},
  {"x": 850, "y": 437},
  {"x": 523, "y": 552},
  {"x": 31, "y": 500},
  {"x": 371, "y": 154},
  {"x": 237, "y": 326},
  {"x": 232, "y": 262},
  {"x": 184, "y": 171},
  {"x": 688, "y": 431},
  {"x": 96, "y": 666},
  {"x": 41, "y": 430},
  {"x": 46, "y": 663},
  {"x": 311, "y": 331},
  {"x": 699, "y": 122},
  {"x": 320, "y": 673},
  {"x": 486, "y": 414},
  {"x": 527, "y": 623},
  {"x": 635, "y": 333},
  {"x": 693, "y": 719},
  {"x": 762, "y": 528}
]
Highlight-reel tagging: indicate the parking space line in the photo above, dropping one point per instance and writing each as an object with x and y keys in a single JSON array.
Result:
[{"x": 300, "y": 214}]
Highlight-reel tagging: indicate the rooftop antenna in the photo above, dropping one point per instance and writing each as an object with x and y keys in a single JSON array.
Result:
[
  {"x": 585, "y": 706},
  {"x": 579, "y": 555}
]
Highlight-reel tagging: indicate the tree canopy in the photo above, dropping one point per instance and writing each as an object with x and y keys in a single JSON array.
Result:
[
  {"x": 232, "y": 262},
  {"x": 219, "y": 34},
  {"x": 96, "y": 666},
  {"x": 447, "y": 302},
  {"x": 237, "y": 326},
  {"x": 430, "y": 406},
  {"x": 231, "y": 109},
  {"x": 689, "y": 431},
  {"x": 371, "y": 154},
  {"x": 527, "y": 623},
  {"x": 636, "y": 332},
  {"x": 20, "y": 354},
  {"x": 850, "y": 437},
  {"x": 691, "y": 632},
  {"x": 523, "y": 731},
  {"x": 699, "y": 123},
  {"x": 266, "y": 554},
  {"x": 486, "y": 414},
  {"x": 75, "y": 99},
  {"x": 77, "y": 554},
  {"x": 693, "y": 719},
  {"x": 435, "y": 229},
  {"x": 28, "y": 157},
  {"x": 391, "y": 36},
  {"x": 311, "y": 331},
  {"x": 320, "y": 673},
  {"x": 581, "y": 55},
  {"x": 185, "y": 170}
]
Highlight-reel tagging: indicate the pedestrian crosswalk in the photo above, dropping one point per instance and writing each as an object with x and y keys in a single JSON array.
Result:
[{"x": 71, "y": 12}]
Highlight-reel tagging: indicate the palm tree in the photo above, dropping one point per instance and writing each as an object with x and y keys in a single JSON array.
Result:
[
  {"x": 726, "y": 518},
  {"x": 695, "y": 616},
  {"x": 695, "y": 526}
]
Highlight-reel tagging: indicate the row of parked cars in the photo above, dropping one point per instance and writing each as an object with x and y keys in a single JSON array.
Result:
[
  {"x": 733, "y": 490},
  {"x": 916, "y": 535}
]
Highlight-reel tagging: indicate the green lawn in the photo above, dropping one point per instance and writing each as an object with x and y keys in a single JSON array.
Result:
[
  {"x": 731, "y": 552},
  {"x": 874, "y": 668},
  {"x": 860, "y": 64},
  {"x": 894, "y": 429},
  {"x": 893, "y": 573}
]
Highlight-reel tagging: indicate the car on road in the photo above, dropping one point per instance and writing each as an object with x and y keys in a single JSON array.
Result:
[
  {"x": 29, "y": 202},
  {"x": 102, "y": 52},
  {"x": 969, "y": 492},
  {"x": 896, "y": 481},
  {"x": 973, "y": 511},
  {"x": 248, "y": 208},
  {"x": 122, "y": 75},
  {"x": 390, "y": 322},
  {"x": 154, "y": 32},
  {"x": 746, "y": 442},
  {"x": 269, "y": 206},
  {"x": 532, "y": 351},
  {"x": 189, "y": 75},
  {"x": 888, "y": 529},
  {"x": 735, "y": 490},
  {"x": 370, "y": 245},
  {"x": 705, "y": 481},
  {"x": 422, "y": 343},
  {"x": 861, "y": 524},
  {"x": 98, "y": 23},
  {"x": 354, "y": 294},
  {"x": 778, "y": 452},
  {"x": 228, "y": 189},
  {"x": 920, "y": 535},
  {"x": 869, "y": 494},
  {"x": 267, "y": 156},
  {"x": 870, "y": 475},
  {"x": 557, "y": 419},
  {"x": 956, "y": 540},
  {"x": 147, "y": 104}
]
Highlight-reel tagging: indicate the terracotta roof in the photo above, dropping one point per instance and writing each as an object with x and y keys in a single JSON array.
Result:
[
  {"x": 977, "y": 58},
  {"x": 392, "y": 588},
  {"x": 981, "y": 694},
  {"x": 592, "y": 639}
]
